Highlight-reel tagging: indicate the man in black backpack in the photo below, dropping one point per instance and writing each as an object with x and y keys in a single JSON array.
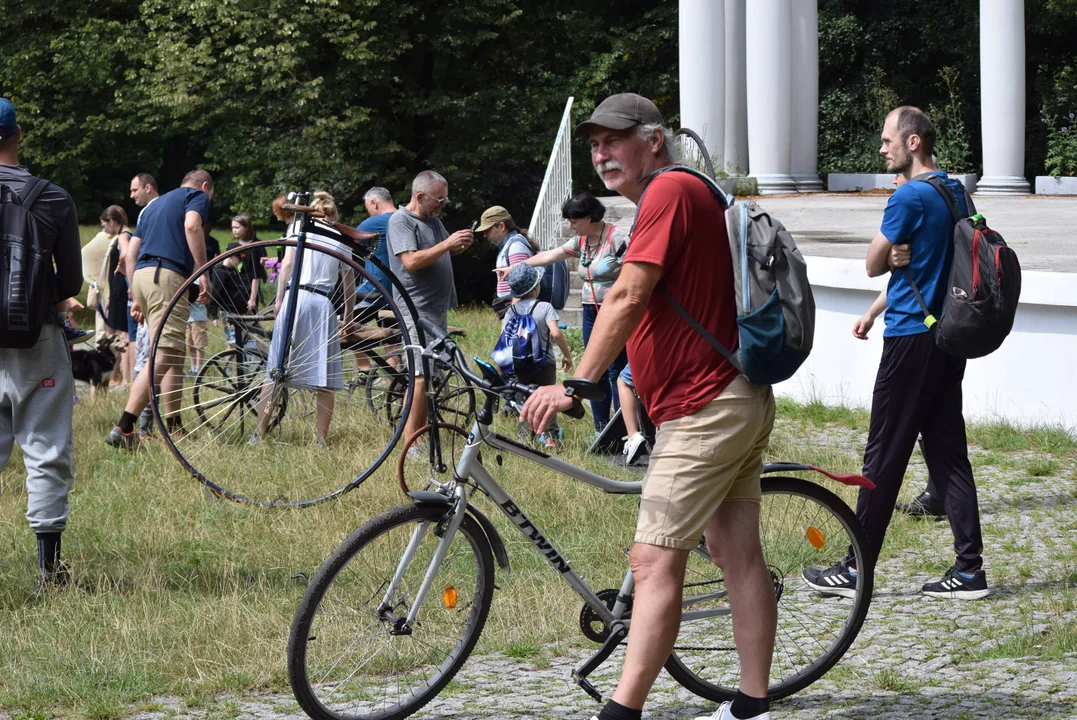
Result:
[
  {"x": 36, "y": 387},
  {"x": 918, "y": 388}
]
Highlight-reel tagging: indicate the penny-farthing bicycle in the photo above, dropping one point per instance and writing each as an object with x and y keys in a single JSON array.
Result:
[{"x": 244, "y": 423}]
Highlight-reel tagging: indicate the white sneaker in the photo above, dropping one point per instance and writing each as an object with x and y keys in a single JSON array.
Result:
[
  {"x": 722, "y": 713},
  {"x": 634, "y": 448}
]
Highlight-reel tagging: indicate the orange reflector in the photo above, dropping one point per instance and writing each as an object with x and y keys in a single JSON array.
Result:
[
  {"x": 448, "y": 596},
  {"x": 815, "y": 537}
]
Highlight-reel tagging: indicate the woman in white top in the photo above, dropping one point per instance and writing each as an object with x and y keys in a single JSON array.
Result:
[{"x": 315, "y": 361}]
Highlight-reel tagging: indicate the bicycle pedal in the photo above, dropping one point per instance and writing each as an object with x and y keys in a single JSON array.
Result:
[
  {"x": 587, "y": 687},
  {"x": 617, "y": 633}
]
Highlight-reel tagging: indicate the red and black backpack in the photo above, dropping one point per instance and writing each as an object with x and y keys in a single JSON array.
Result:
[{"x": 983, "y": 288}]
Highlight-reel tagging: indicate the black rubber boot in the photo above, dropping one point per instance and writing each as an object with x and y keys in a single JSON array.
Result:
[{"x": 51, "y": 569}]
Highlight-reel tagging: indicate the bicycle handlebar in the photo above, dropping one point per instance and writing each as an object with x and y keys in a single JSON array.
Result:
[{"x": 503, "y": 388}]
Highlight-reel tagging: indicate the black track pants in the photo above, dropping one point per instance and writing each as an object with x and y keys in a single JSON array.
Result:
[{"x": 918, "y": 391}]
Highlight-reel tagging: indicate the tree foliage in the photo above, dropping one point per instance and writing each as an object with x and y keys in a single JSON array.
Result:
[{"x": 344, "y": 94}]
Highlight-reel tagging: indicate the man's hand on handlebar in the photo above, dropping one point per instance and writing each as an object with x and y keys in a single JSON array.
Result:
[{"x": 543, "y": 405}]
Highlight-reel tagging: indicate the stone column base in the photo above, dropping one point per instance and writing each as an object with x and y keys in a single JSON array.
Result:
[
  {"x": 1003, "y": 185},
  {"x": 808, "y": 182},
  {"x": 776, "y": 184}
]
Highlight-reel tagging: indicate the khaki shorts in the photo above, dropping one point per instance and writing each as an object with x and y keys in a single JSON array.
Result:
[
  {"x": 197, "y": 337},
  {"x": 703, "y": 460},
  {"x": 153, "y": 298}
]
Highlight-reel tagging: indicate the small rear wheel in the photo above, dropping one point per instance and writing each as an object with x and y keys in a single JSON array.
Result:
[
  {"x": 801, "y": 525},
  {"x": 694, "y": 153},
  {"x": 350, "y": 654}
]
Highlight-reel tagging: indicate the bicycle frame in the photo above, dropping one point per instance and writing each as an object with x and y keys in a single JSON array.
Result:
[{"x": 469, "y": 467}]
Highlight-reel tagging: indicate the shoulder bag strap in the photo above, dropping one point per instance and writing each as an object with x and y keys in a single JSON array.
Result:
[
  {"x": 947, "y": 195},
  {"x": 695, "y": 325},
  {"x": 951, "y": 203},
  {"x": 32, "y": 190}
]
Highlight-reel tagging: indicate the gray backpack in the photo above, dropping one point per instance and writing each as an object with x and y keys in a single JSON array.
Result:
[{"x": 775, "y": 305}]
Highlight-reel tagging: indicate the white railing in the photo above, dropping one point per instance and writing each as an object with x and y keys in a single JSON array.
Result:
[{"x": 556, "y": 187}]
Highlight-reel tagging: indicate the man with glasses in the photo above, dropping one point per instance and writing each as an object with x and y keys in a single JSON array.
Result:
[{"x": 419, "y": 250}]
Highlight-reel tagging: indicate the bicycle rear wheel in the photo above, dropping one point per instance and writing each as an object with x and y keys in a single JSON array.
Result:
[
  {"x": 348, "y": 658},
  {"x": 800, "y": 525},
  {"x": 246, "y": 423}
]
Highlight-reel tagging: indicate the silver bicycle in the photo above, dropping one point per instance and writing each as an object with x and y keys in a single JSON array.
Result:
[{"x": 397, "y": 608}]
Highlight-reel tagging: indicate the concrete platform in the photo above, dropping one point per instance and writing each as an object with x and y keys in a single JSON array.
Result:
[{"x": 1040, "y": 228}]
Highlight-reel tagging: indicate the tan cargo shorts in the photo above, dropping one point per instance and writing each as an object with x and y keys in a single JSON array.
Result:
[
  {"x": 153, "y": 298},
  {"x": 702, "y": 460}
]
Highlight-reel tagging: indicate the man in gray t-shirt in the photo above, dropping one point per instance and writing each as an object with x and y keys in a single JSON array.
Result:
[{"x": 419, "y": 250}]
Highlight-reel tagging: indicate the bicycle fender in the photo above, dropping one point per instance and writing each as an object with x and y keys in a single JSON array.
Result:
[
  {"x": 843, "y": 478},
  {"x": 496, "y": 543}
]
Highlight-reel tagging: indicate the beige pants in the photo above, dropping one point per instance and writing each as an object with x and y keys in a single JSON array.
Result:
[
  {"x": 153, "y": 298},
  {"x": 702, "y": 460}
]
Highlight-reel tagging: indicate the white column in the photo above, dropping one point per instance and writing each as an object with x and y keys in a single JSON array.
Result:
[
  {"x": 702, "y": 72},
  {"x": 769, "y": 76},
  {"x": 1002, "y": 97},
  {"x": 805, "y": 101},
  {"x": 736, "y": 91}
]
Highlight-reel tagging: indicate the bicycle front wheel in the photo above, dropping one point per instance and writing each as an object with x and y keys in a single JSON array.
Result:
[
  {"x": 348, "y": 656},
  {"x": 800, "y": 525},
  {"x": 262, "y": 415}
]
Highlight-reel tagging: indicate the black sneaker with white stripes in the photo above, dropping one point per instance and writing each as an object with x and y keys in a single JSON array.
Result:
[
  {"x": 954, "y": 587},
  {"x": 834, "y": 580}
]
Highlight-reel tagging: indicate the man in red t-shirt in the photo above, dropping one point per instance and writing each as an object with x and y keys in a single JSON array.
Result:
[{"x": 712, "y": 423}]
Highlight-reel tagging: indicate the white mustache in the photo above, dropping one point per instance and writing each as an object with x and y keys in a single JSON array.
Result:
[{"x": 609, "y": 165}]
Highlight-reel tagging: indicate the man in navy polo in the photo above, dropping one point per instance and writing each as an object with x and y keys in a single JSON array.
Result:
[{"x": 169, "y": 244}]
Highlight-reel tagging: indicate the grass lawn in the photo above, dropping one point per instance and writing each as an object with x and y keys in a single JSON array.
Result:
[{"x": 190, "y": 597}]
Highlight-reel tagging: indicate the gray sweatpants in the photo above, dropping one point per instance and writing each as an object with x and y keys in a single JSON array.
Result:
[{"x": 36, "y": 408}]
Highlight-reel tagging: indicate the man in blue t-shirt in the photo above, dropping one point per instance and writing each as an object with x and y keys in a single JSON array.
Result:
[
  {"x": 168, "y": 245},
  {"x": 918, "y": 387},
  {"x": 380, "y": 206}
]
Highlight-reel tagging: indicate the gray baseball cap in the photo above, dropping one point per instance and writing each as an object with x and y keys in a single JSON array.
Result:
[{"x": 620, "y": 112}]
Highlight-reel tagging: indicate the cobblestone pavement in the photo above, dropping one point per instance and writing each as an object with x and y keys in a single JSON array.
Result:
[{"x": 1011, "y": 655}]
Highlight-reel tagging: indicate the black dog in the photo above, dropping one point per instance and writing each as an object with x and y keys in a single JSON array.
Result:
[{"x": 96, "y": 366}]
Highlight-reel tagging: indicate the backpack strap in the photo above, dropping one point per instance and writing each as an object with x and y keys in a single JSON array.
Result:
[
  {"x": 929, "y": 319},
  {"x": 698, "y": 327},
  {"x": 947, "y": 195},
  {"x": 951, "y": 203},
  {"x": 723, "y": 198},
  {"x": 32, "y": 190}
]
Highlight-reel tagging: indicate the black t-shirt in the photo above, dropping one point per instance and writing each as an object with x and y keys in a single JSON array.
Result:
[
  {"x": 251, "y": 268},
  {"x": 230, "y": 291},
  {"x": 213, "y": 248}
]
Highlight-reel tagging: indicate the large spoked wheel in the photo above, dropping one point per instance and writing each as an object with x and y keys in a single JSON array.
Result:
[
  {"x": 350, "y": 655},
  {"x": 694, "y": 153},
  {"x": 225, "y": 390},
  {"x": 248, "y": 424},
  {"x": 801, "y": 525}
]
